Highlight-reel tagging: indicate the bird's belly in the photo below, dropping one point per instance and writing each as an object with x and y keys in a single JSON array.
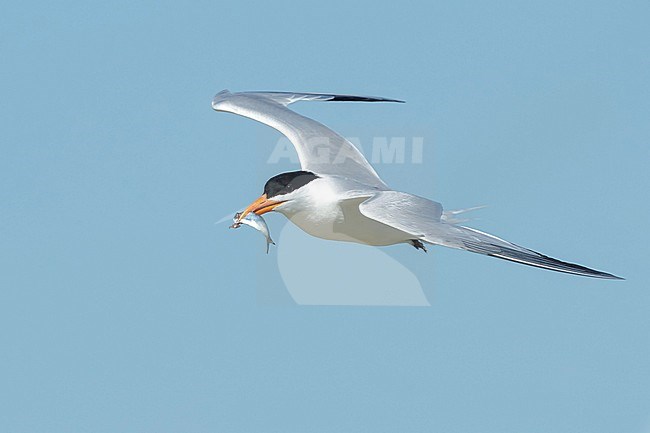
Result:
[{"x": 347, "y": 225}]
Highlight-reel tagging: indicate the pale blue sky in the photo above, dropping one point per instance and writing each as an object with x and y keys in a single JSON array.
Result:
[{"x": 123, "y": 307}]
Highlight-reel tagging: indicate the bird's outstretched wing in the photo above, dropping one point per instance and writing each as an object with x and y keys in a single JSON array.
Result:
[
  {"x": 422, "y": 218},
  {"x": 319, "y": 149}
]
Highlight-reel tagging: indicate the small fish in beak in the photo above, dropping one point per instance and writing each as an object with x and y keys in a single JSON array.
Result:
[
  {"x": 260, "y": 206},
  {"x": 257, "y": 222}
]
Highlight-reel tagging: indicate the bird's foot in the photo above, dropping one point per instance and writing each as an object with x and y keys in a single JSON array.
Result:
[{"x": 418, "y": 245}]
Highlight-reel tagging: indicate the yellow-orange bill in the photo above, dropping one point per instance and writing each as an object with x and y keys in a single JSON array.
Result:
[{"x": 260, "y": 206}]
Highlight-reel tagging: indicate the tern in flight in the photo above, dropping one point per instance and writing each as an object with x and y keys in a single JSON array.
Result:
[{"x": 337, "y": 195}]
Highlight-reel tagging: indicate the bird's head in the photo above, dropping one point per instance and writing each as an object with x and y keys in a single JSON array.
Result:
[{"x": 280, "y": 191}]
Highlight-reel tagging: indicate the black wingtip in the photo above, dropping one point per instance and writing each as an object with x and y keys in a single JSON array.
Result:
[
  {"x": 533, "y": 258},
  {"x": 352, "y": 98},
  {"x": 606, "y": 276}
]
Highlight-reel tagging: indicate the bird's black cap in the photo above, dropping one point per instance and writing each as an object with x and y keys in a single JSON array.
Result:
[{"x": 284, "y": 183}]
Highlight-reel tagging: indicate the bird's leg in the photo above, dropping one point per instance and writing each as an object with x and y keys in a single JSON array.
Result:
[{"x": 418, "y": 245}]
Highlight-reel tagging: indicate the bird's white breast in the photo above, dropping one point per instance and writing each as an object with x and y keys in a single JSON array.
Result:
[{"x": 320, "y": 211}]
